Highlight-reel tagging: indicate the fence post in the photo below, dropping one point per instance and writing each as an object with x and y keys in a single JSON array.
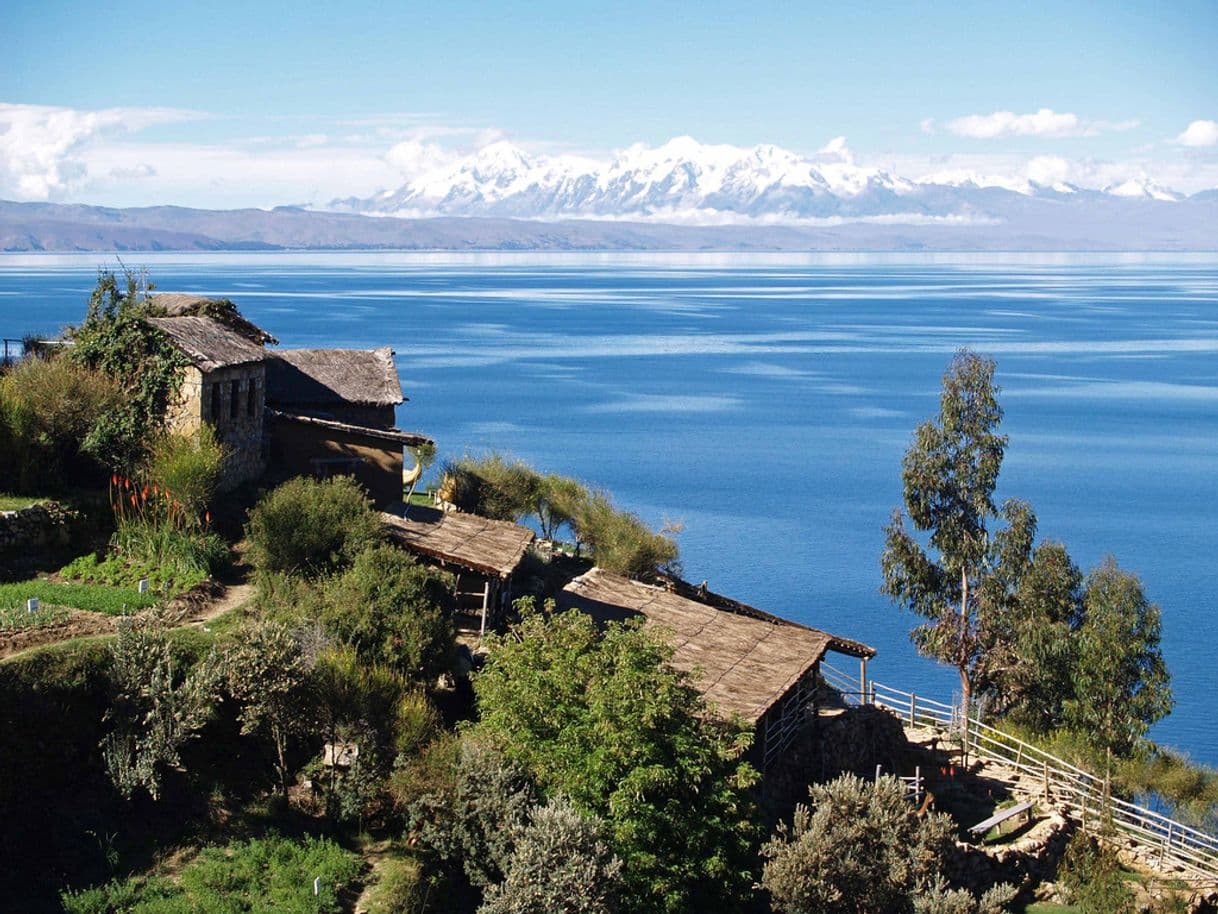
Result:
[
  {"x": 1048, "y": 798},
  {"x": 913, "y": 710},
  {"x": 877, "y": 772}
]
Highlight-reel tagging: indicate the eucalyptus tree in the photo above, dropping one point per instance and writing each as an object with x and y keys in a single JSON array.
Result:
[{"x": 949, "y": 474}]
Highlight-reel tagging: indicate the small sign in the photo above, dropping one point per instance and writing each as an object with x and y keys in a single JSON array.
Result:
[
  {"x": 317, "y": 886},
  {"x": 143, "y": 585},
  {"x": 31, "y": 605}
]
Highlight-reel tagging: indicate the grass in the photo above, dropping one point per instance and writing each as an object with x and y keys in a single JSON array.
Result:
[
  {"x": 113, "y": 601},
  {"x": 17, "y": 619},
  {"x": 264, "y": 874},
  {"x": 17, "y": 502}
]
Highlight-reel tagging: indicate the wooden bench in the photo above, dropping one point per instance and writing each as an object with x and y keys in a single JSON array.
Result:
[{"x": 1003, "y": 815}]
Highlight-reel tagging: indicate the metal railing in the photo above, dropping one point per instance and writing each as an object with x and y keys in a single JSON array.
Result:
[{"x": 1161, "y": 839}]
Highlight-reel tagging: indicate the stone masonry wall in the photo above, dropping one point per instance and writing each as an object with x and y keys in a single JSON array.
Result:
[
  {"x": 223, "y": 399},
  {"x": 47, "y": 525}
]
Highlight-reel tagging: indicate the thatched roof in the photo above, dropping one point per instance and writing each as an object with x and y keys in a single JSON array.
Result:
[
  {"x": 395, "y": 435},
  {"x": 321, "y": 376},
  {"x": 190, "y": 304},
  {"x": 207, "y": 343},
  {"x": 465, "y": 540},
  {"x": 742, "y": 664}
]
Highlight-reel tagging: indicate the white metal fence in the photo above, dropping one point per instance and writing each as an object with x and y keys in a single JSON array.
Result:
[{"x": 1159, "y": 837}]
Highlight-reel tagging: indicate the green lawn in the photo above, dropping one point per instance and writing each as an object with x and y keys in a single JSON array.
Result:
[
  {"x": 17, "y": 502},
  {"x": 113, "y": 601}
]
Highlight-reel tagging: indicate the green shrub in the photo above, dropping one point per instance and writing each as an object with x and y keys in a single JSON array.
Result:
[
  {"x": 168, "y": 578},
  {"x": 264, "y": 874},
  {"x": 1090, "y": 873},
  {"x": 48, "y": 407},
  {"x": 17, "y": 619},
  {"x": 312, "y": 528},
  {"x": 181, "y": 557},
  {"x": 394, "y": 611}
]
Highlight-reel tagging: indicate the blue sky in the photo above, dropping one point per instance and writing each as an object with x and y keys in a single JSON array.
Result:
[{"x": 240, "y": 83}]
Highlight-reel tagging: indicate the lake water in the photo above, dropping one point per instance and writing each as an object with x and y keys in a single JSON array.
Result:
[{"x": 765, "y": 402}]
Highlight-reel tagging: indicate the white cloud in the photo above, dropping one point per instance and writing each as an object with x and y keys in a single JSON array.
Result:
[
  {"x": 1044, "y": 123},
  {"x": 1199, "y": 133},
  {"x": 43, "y": 148},
  {"x": 927, "y": 125}
]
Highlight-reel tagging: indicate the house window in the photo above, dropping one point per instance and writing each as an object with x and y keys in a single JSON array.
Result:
[
  {"x": 215, "y": 402},
  {"x": 251, "y": 403},
  {"x": 234, "y": 401},
  {"x": 325, "y": 467}
]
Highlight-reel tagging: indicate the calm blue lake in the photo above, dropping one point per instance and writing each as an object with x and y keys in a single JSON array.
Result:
[{"x": 765, "y": 402}]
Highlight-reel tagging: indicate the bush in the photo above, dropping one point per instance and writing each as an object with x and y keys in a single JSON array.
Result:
[
  {"x": 48, "y": 407},
  {"x": 188, "y": 468},
  {"x": 263, "y": 874},
  {"x": 403, "y": 886},
  {"x": 861, "y": 846},
  {"x": 312, "y": 528},
  {"x": 394, "y": 611},
  {"x": 560, "y": 865},
  {"x": 1091, "y": 876}
]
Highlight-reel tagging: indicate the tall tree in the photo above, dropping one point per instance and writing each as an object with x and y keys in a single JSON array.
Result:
[
  {"x": 949, "y": 475},
  {"x": 1121, "y": 682}
]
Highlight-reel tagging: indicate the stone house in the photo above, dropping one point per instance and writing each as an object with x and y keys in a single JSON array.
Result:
[{"x": 318, "y": 412}]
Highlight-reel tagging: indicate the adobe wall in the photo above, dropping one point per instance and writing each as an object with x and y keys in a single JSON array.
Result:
[{"x": 305, "y": 450}]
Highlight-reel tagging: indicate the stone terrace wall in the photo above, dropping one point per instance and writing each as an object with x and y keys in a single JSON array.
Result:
[{"x": 47, "y": 525}]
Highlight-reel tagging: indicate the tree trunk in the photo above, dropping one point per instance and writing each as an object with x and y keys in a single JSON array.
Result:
[{"x": 966, "y": 683}]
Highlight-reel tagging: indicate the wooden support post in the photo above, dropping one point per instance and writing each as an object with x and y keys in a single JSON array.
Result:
[
  {"x": 877, "y": 772},
  {"x": 862, "y": 680},
  {"x": 1019, "y": 757},
  {"x": 486, "y": 598},
  {"x": 913, "y": 710},
  {"x": 1047, "y": 797},
  {"x": 917, "y": 783}
]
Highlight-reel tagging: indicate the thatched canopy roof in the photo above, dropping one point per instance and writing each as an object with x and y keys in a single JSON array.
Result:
[
  {"x": 741, "y": 663},
  {"x": 465, "y": 540},
  {"x": 394, "y": 435},
  {"x": 207, "y": 343},
  {"x": 321, "y": 376}
]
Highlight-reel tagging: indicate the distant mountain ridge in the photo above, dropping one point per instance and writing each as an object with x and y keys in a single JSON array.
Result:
[
  {"x": 688, "y": 182},
  {"x": 1008, "y": 221}
]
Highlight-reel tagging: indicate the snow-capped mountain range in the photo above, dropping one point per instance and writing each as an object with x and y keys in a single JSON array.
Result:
[{"x": 688, "y": 182}]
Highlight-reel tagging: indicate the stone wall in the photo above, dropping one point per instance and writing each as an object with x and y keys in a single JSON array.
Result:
[
  {"x": 1024, "y": 862},
  {"x": 233, "y": 401},
  {"x": 47, "y": 525}
]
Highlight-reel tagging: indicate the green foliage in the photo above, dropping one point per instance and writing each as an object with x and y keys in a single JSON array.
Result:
[
  {"x": 607, "y": 721},
  {"x": 119, "y": 570},
  {"x": 394, "y": 611},
  {"x": 938, "y": 898},
  {"x": 48, "y": 407},
  {"x": 1091, "y": 876},
  {"x": 174, "y": 557},
  {"x": 312, "y": 528},
  {"x": 559, "y": 499},
  {"x": 154, "y": 709},
  {"x": 949, "y": 475},
  {"x": 861, "y": 847},
  {"x": 113, "y": 601},
  {"x": 263, "y": 874},
  {"x": 621, "y": 542},
  {"x": 1030, "y": 646},
  {"x": 116, "y": 340},
  {"x": 466, "y": 801},
  {"x": 560, "y": 865},
  {"x": 188, "y": 468},
  {"x": 1190, "y": 788},
  {"x": 1122, "y": 684},
  {"x": 268, "y": 674},
  {"x": 491, "y": 486}
]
